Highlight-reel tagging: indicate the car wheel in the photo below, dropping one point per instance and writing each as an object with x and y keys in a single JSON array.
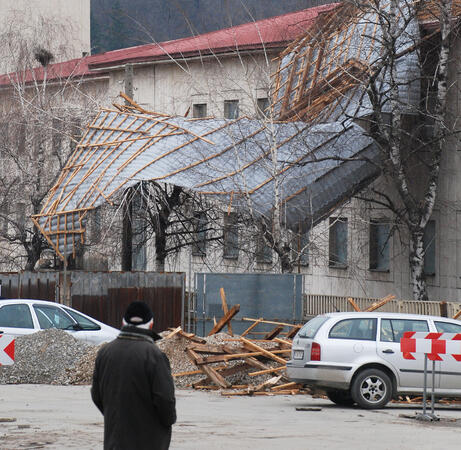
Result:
[
  {"x": 341, "y": 398},
  {"x": 372, "y": 389}
]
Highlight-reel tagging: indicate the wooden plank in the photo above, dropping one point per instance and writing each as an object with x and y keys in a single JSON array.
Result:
[
  {"x": 173, "y": 333},
  {"x": 292, "y": 384},
  {"x": 263, "y": 351},
  {"x": 192, "y": 337},
  {"x": 208, "y": 348},
  {"x": 283, "y": 343},
  {"x": 354, "y": 305},
  {"x": 292, "y": 333},
  {"x": 377, "y": 305},
  {"x": 221, "y": 358},
  {"x": 225, "y": 320},
  {"x": 268, "y": 383},
  {"x": 211, "y": 373},
  {"x": 457, "y": 314},
  {"x": 249, "y": 319},
  {"x": 225, "y": 309},
  {"x": 274, "y": 332},
  {"x": 251, "y": 327},
  {"x": 262, "y": 372}
]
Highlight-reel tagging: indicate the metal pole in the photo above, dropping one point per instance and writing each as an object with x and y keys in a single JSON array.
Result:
[
  {"x": 433, "y": 384},
  {"x": 425, "y": 384}
]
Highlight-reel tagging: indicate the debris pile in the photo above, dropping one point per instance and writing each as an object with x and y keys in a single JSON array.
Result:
[{"x": 44, "y": 357}]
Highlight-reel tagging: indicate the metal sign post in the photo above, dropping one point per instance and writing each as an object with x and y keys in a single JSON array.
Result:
[
  {"x": 428, "y": 417},
  {"x": 431, "y": 345}
]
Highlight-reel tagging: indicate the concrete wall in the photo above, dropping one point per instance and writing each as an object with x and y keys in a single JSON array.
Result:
[{"x": 60, "y": 26}]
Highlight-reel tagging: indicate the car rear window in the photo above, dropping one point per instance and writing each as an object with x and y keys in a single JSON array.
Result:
[
  {"x": 361, "y": 329},
  {"x": 310, "y": 328},
  {"x": 392, "y": 329}
]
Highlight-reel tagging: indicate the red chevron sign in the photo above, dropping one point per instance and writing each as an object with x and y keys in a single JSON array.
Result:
[
  {"x": 6, "y": 350},
  {"x": 431, "y": 344}
]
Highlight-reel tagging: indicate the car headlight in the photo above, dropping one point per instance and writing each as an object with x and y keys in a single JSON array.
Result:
[{"x": 298, "y": 354}]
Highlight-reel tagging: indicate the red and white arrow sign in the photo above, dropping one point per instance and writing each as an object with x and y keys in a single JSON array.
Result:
[
  {"x": 6, "y": 350},
  {"x": 431, "y": 344}
]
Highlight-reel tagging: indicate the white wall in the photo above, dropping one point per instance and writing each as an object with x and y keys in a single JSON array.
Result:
[{"x": 61, "y": 26}]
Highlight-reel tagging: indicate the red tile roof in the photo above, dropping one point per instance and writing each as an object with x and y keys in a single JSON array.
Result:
[
  {"x": 267, "y": 33},
  {"x": 74, "y": 68}
]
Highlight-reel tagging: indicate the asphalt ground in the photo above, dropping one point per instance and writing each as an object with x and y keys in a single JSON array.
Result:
[{"x": 63, "y": 417}]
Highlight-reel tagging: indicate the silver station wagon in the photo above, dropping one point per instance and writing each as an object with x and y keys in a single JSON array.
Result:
[{"x": 355, "y": 357}]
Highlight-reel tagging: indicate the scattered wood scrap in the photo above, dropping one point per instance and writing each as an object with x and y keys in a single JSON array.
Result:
[{"x": 244, "y": 359}]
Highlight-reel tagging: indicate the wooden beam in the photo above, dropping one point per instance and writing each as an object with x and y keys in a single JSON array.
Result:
[
  {"x": 354, "y": 305},
  {"x": 274, "y": 332},
  {"x": 249, "y": 319},
  {"x": 221, "y": 358},
  {"x": 173, "y": 333},
  {"x": 382, "y": 302},
  {"x": 225, "y": 309},
  {"x": 225, "y": 320},
  {"x": 263, "y": 351},
  {"x": 251, "y": 327},
  {"x": 211, "y": 373},
  {"x": 262, "y": 372}
]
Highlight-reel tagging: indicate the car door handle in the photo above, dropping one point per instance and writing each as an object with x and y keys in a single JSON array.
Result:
[{"x": 388, "y": 350}]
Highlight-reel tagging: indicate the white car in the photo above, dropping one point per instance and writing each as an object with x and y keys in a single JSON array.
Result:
[
  {"x": 355, "y": 357},
  {"x": 24, "y": 316}
]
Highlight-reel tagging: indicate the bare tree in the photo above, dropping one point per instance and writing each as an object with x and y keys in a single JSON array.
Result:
[{"x": 42, "y": 114}]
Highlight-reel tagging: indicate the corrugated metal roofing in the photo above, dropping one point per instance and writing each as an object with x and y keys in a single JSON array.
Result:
[{"x": 222, "y": 158}]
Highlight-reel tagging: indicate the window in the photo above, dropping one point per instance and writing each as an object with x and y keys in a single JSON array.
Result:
[
  {"x": 363, "y": 329},
  {"x": 309, "y": 330},
  {"x": 53, "y": 317},
  {"x": 200, "y": 226},
  {"x": 392, "y": 329},
  {"x": 263, "y": 250},
  {"x": 231, "y": 237},
  {"x": 263, "y": 105},
  {"x": 338, "y": 242},
  {"x": 301, "y": 248},
  {"x": 429, "y": 248},
  {"x": 446, "y": 327},
  {"x": 379, "y": 246},
  {"x": 85, "y": 323},
  {"x": 16, "y": 316},
  {"x": 199, "y": 110},
  {"x": 139, "y": 252},
  {"x": 231, "y": 109}
]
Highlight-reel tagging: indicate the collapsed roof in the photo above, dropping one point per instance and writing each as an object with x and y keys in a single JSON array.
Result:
[
  {"x": 316, "y": 158},
  {"x": 232, "y": 160}
]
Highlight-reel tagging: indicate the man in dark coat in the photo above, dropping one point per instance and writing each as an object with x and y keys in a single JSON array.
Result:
[{"x": 133, "y": 386}]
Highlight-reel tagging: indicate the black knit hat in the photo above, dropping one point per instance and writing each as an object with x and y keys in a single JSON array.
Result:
[{"x": 138, "y": 313}]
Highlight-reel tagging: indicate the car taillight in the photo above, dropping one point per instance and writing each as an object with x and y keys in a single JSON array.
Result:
[{"x": 315, "y": 352}]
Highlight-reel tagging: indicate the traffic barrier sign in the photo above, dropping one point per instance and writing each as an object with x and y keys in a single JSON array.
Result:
[
  {"x": 431, "y": 344},
  {"x": 6, "y": 350}
]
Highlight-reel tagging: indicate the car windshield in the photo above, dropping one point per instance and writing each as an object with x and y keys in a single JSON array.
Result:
[
  {"x": 310, "y": 328},
  {"x": 84, "y": 322},
  {"x": 53, "y": 317}
]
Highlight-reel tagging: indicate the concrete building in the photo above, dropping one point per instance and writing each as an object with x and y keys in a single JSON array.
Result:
[
  {"x": 61, "y": 27},
  {"x": 227, "y": 73}
]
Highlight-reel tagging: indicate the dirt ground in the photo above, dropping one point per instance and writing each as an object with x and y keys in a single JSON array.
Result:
[{"x": 63, "y": 417}]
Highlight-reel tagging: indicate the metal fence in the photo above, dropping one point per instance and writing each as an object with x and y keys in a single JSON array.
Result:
[
  {"x": 314, "y": 304},
  {"x": 276, "y": 297},
  {"x": 104, "y": 295}
]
